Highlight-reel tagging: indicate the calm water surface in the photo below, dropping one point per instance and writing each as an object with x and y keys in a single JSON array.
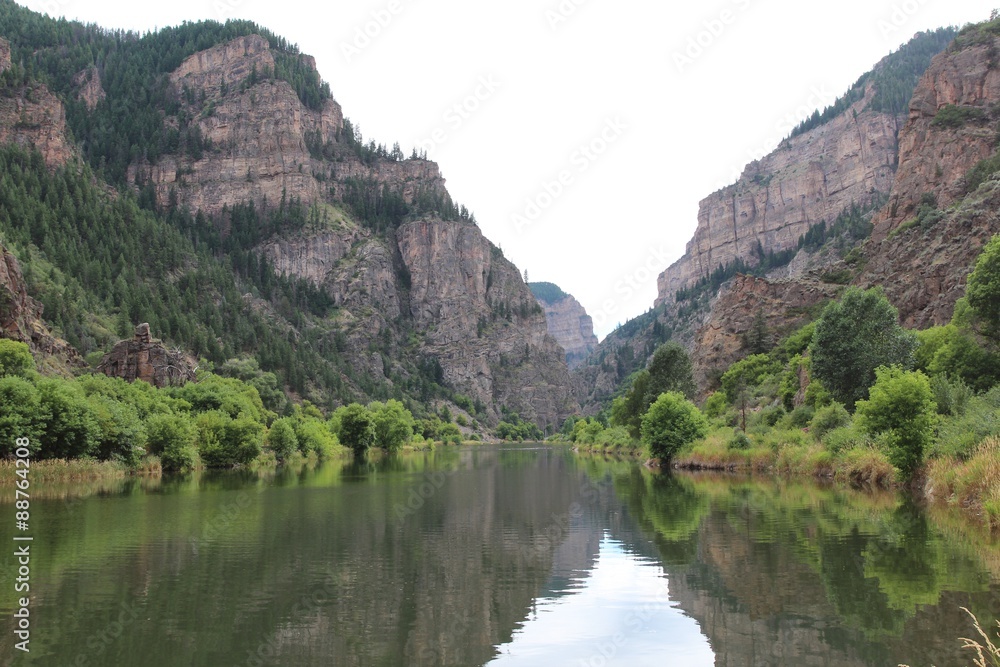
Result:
[{"x": 505, "y": 556}]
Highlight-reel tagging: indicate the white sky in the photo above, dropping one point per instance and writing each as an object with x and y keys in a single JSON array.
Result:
[{"x": 673, "y": 132}]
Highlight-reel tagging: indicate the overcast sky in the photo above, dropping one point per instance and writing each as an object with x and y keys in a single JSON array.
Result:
[{"x": 582, "y": 133}]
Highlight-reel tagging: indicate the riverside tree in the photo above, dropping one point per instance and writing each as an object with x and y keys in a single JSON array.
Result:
[
  {"x": 672, "y": 422},
  {"x": 853, "y": 337},
  {"x": 901, "y": 405}
]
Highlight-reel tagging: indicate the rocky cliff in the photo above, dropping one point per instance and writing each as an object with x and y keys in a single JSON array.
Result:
[
  {"x": 414, "y": 295},
  {"x": 810, "y": 178},
  {"x": 32, "y": 117},
  {"x": 925, "y": 241},
  {"x": 21, "y": 317},
  {"x": 568, "y": 322},
  {"x": 147, "y": 359}
]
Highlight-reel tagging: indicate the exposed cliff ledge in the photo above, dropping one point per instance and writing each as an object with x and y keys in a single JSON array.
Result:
[
  {"x": 923, "y": 264},
  {"x": 567, "y": 321},
  {"x": 809, "y": 178},
  {"x": 261, "y": 143},
  {"x": 147, "y": 359},
  {"x": 32, "y": 117}
]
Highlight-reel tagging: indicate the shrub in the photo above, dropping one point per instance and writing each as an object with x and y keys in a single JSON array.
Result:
[
  {"x": 842, "y": 439},
  {"x": 672, "y": 422},
  {"x": 71, "y": 430},
  {"x": 393, "y": 424},
  {"x": 356, "y": 427},
  {"x": 281, "y": 439},
  {"x": 952, "y": 396},
  {"x": 901, "y": 405},
  {"x": 828, "y": 418},
  {"x": 225, "y": 442},
  {"x": 716, "y": 405},
  {"x": 314, "y": 436},
  {"x": 801, "y": 416},
  {"x": 171, "y": 437},
  {"x": 16, "y": 359},
  {"x": 739, "y": 441},
  {"x": 122, "y": 436},
  {"x": 21, "y": 414}
]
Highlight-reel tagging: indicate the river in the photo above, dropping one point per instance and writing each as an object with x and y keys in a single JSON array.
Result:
[{"x": 493, "y": 555}]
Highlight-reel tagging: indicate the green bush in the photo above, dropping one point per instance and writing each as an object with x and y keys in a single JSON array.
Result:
[
  {"x": 21, "y": 415},
  {"x": 716, "y": 405},
  {"x": 952, "y": 396},
  {"x": 960, "y": 435},
  {"x": 393, "y": 424},
  {"x": 16, "y": 359},
  {"x": 900, "y": 405},
  {"x": 171, "y": 437},
  {"x": 224, "y": 442},
  {"x": 739, "y": 441},
  {"x": 769, "y": 416},
  {"x": 801, "y": 416},
  {"x": 313, "y": 435},
  {"x": 356, "y": 427},
  {"x": 71, "y": 430},
  {"x": 122, "y": 434},
  {"x": 671, "y": 423},
  {"x": 281, "y": 439},
  {"x": 828, "y": 418},
  {"x": 843, "y": 438}
]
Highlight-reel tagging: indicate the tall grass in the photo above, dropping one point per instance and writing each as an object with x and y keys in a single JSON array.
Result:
[{"x": 973, "y": 484}]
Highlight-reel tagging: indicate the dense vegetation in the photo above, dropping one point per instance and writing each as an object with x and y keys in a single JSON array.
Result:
[
  {"x": 852, "y": 394},
  {"x": 547, "y": 292}
]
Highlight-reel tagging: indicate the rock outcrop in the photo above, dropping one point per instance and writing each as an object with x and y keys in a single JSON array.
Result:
[
  {"x": 810, "y": 178},
  {"x": 145, "y": 358},
  {"x": 569, "y": 324},
  {"x": 32, "y": 117},
  {"x": 784, "y": 305},
  {"x": 88, "y": 87},
  {"x": 21, "y": 316},
  {"x": 261, "y": 143},
  {"x": 922, "y": 263}
]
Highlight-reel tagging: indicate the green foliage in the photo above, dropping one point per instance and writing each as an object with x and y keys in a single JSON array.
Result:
[
  {"x": 513, "y": 428},
  {"x": 982, "y": 172},
  {"x": 248, "y": 370},
  {"x": 21, "y": 415},
  {"x": 225, "y": 442},
  {"x": 961, "y": 434},
  {"x": 547, "y": 293},
  {"x": 281, "y": 439},
  {"x": 356, "y": 427},
  {"x": 586, "y": 431},
  {"x": 627, "y": 410},
  {"x": 746, "y": 374},
  {"x": 393, "y": 424},
  {"x": 952, "y": 116},
  {"x": 671, "y": 423},
  {"x": 313, "y": 435},
  {"x": 171, "y": 437},
  {"x": 983, "y": 289},
  {"x": 951, "y": 396},
  {"x": 71, "y": 430},
  {"x": 16, "y": 359},
  {"x": 670, "y": 370},
  {"x": 801, "y": 416},
  {"x": 716, "y": 405},
  {"x": 853, "y": 337},
  {"x": 122, "y": 435},
  {"x": 901, "y": 405},
  {"x": 231, "y": 396},
  {"x": 740, "y": 441},
  {"x": 828, "y": 418}
]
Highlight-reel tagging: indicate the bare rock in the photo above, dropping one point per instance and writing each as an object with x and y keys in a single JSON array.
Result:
[
  {"x": 88, "y": 87},
  {"x": 571, "y": 326},
  {"x": 147, "y": 359}
]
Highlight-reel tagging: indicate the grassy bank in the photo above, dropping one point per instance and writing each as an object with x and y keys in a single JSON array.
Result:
[{"x": 77, "y": 470}]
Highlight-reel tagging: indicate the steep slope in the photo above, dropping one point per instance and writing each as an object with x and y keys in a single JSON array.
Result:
[
  {"x": 790, "y": 220},
  {"x": 568, "y": 322},
  {"x": 360, "y": 278},
  {"x": 943, "y": 205}
]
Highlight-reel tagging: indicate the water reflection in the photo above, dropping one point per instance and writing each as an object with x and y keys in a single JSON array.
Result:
[{"x": 493, "y": 555}]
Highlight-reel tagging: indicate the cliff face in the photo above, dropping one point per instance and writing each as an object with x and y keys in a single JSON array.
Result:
[
  {"x": 784, "y": 305},
  {"x": 809, "y": 178},
  {"x": 21, "y": 316},
  {"x": 260, "y": 141},
  {"x": 145, "y": 358},
  {"x": 923, "y": 264},
  {"x": 571, "y": 326},
  {"x": 426, "y": 293},
  {"x": 32, "y": 117}
]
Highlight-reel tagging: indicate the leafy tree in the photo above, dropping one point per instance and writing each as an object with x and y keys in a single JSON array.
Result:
[
  {"x": 671, "y": 423},
  {"x": 122, "y": 434},
  {"x": 16, "y": 359},
  {"x": 739, "y": 382},
  {"x": 670, "y": 370},
  {"x": 393, "y": 424},
  {"x": 853, "y": 337},
  {"x": 983, "y": 289},
  {"x": 901, "y": 405},
  {"x": 21, "y": 414},
  {"x": 357, "y": 428},
  {"x": 171, "y": 437},
  {"x": 281, "y": 438},
  {"x": 314, "y": 436},
  {"x": 627, "y": 410},
  {"x": 225, "y": 442},
  {"x": 71, "y": 430}
]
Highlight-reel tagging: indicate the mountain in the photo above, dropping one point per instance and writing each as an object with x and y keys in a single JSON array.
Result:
[
  {"x": 791, "y": 221},
  {"x": 203, "y": 179},
  {"x": 568, "y": 322}
]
